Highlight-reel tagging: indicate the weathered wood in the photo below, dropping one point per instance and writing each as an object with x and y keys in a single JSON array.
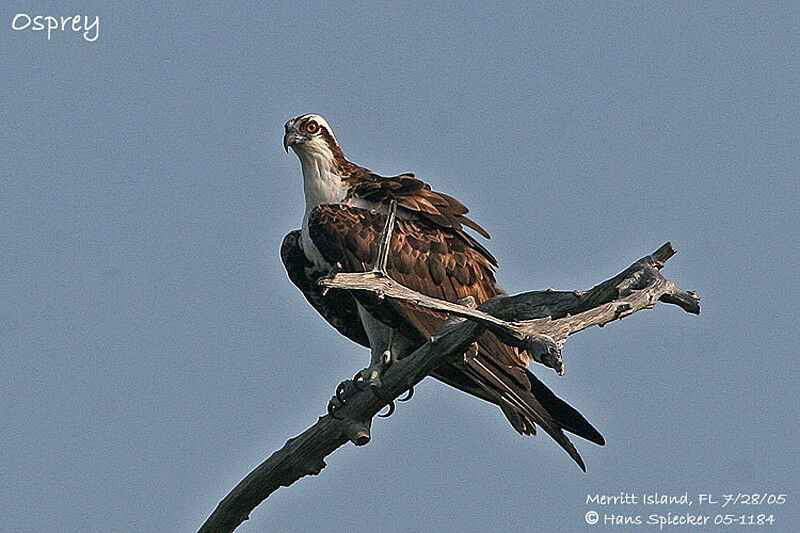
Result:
[
  {"x": 304, "y": 455},
  {"x": 539, "y": 322},
  {"x": 551, "y": 316}
]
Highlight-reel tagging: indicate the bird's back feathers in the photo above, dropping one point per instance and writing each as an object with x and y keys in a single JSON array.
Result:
[{"x": 431, "y": 253}]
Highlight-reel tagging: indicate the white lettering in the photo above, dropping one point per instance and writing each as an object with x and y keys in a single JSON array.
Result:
[
  {"x": 18, "y": 16},
  {"x": 76, "y": 23},
  {"x": 95, "y": 25},
  {"x": 52, "y": 24}
]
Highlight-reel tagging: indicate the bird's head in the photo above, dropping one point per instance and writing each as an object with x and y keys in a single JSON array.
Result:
[
  {"x": 309, "y": 134},
  {"x": 324, "y": 164}
]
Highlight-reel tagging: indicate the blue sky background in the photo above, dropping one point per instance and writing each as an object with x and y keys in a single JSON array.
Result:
[{"x": 153, "y": 351}]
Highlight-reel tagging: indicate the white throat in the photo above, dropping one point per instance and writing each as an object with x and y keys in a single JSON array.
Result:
[{"x": 322, "y": 184}]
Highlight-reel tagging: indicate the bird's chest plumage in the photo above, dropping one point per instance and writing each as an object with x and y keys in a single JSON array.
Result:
[{"x": 321, "y": 185}]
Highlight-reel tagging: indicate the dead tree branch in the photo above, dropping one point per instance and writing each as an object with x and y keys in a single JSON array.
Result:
[
  {"x": 539, "y": 322},
  {"x": 304, "y": 454}
]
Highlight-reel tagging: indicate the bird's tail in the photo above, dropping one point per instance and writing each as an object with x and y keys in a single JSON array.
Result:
[{"x": 527, "y": 402}]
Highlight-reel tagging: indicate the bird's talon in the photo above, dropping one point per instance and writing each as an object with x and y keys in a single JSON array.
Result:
[
  {"x": 390, "y": 403},
  {"x": 332, "y": 411},
  {"x": 389, "y": 412},
  {"x": 409, "y": 394},
  {"x": 340, "y": 390},
  {"x": 359, "y": 382}
]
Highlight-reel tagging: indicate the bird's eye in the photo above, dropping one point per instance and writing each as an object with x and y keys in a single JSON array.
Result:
[{"x": 312, "y": 127}]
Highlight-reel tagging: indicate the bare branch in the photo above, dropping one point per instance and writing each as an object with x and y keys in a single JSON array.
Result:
[
  {"x": 386, "y": 238},
  {"x": 539, "y": 322},
  {"x": 304, "y": 455}
]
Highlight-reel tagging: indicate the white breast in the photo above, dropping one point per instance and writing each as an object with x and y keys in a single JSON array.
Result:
[{"x": 321, "y": 185}]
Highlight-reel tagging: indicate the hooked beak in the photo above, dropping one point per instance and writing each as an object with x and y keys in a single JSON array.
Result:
[{"x": 291, "y": 138}]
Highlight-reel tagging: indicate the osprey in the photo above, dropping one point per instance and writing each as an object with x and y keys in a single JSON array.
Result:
[{"x": 430, "y": 252}]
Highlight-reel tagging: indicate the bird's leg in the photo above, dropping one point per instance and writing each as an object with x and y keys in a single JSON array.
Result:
[
  {"x": 369, "y": 377},
  {"x": 380, "y": 361},
  {"x": 383, "y": 356},
  {"x": 380, "y": 340},
  {"x": 396, "y": 346}
]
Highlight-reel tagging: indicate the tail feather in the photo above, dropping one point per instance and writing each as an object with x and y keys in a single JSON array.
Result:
[
  {"x": 523, "y": 403},
  {"x": 520, "y": 423},
  {"x": 488, "y": 373},
  {"x": 564, "y": 414}
]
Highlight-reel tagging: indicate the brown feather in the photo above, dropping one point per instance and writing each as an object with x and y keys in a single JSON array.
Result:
[
  {"x": 337, "y": 306},
  {"x": 416, "y": 196},
  {"x": 431, "y": 253}
]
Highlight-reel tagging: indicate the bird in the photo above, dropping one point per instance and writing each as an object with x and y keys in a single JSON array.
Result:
[{"x": 432, "y": 252}]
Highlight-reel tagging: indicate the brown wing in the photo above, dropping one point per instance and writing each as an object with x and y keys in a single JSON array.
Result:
[
  {"x": 441, "y": 261},
  {"x": 416, "y": 196},
  {"x": 337, "y": 307}
]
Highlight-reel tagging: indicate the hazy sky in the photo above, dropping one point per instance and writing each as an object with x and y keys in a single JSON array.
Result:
[{"x": 153, "y": 350}]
